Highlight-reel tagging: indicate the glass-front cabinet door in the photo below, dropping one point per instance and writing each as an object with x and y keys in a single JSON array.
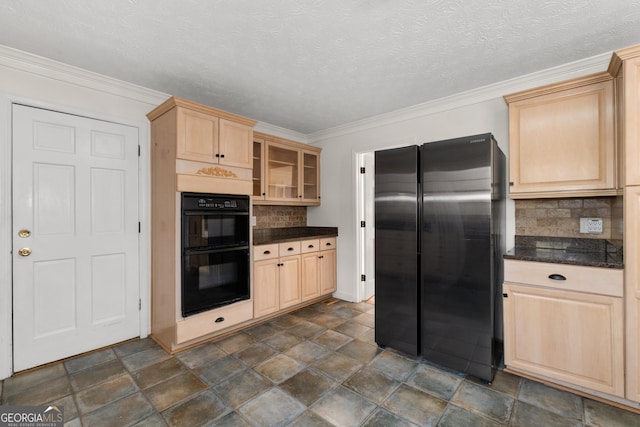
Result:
[
  {"x": 283, "y": 169},
  {"x": 259, "y": 192},
  {"x": 310, "y": 177}
]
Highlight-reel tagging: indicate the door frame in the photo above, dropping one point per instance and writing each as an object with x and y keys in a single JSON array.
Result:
[
  {"x": 6, "y": 209},
  {"x": 362, "y": 182}
]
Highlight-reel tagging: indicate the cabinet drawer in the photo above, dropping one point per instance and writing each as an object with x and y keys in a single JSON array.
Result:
[
  {"x": 206, "y": 323},
  {"x": 265, "y": 252},
  {"x": 604, "y": 281},
  {"x": 289, "y": 248},
  {"x": 327, "y": 243},
  {"x": 311, "y": 245}
]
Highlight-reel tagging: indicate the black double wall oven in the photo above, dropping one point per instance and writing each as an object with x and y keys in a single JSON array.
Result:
[{"x": 215, "y": 251}]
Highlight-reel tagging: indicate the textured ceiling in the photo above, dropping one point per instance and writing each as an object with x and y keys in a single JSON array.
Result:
[{"x": 309, "y": 65}]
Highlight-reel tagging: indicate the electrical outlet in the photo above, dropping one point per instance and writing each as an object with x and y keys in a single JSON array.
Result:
[{"x": 591, "y": 225}]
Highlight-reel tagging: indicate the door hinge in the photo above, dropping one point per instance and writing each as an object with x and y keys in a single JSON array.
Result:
[
  {"x": 138, "y": 151},
  {"x": 363, "y": 224},
  {"x": 363, "y": 277},
  {"x": 362, "y": 170},
  {"x": 139, "y": 304},
  {"x": 139, "y": 227},
  {"x": 505, "y": 295}
]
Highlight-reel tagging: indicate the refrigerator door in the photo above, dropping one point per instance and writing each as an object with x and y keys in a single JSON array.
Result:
[
  {"x": 457, "y": 283},
  {"x": 396, "y": 249}
]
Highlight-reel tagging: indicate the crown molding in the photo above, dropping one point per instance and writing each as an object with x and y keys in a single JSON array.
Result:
[
  {"x": 498, "y": 90},
  {"x": 49, "y": 68},
  {"x": 280, "y": 132}
]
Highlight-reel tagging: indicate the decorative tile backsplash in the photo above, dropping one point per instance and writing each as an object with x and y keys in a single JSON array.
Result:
[
  {"x": 561, "y": 217},
  {"x": 280, "y": 216}
]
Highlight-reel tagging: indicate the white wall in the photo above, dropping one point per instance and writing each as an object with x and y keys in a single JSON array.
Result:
[{"x": 480, "y": 111}]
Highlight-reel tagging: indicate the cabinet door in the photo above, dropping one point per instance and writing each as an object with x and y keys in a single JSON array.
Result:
[
  {"x": 266, "y": 297},
  {"x": 236, "y": 144},
  {"x": 310, "y": 285},
  {"x": 289, "y": 281},
  {"x": 328, "y": 280},
  {"x": 310, "y": 177},
  {"x": 630, "y": 124},
  {"x": 563, "y": 141},
  {"x": 197, "y": 136},
  {"x": 283, "y": 171},
  {"x": 572, "y": 337},
  {"x": 632, "y": 289},
  {"x": 258, "y": 169}
]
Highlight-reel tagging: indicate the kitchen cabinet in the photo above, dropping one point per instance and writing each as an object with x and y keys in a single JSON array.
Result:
[
  {"x": 625, "y": 67},
  {"x": 318, "y": 267},
  {"x": 205, "y": 137},
  {"x": 289, "y": 172},
  {"x": 185, "y": 138},
  {"x": 562, "y": 139},
  {"x": 276, "y": 277},
  {"x": 564, "y": 324}
]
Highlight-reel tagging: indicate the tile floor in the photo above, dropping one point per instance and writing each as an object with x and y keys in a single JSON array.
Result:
[{"x": 318, "y": 366}]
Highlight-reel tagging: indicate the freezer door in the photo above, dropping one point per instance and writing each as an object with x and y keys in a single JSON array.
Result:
[
  {"x": 396, "y": 249},
  {"x": 457, "y": 279}
]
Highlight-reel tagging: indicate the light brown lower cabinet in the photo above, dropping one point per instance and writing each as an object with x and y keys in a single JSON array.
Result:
[{"x": 558, "y": 333}]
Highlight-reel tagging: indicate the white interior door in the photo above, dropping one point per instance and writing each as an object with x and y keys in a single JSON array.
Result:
[{"x": 75, "y": 235}]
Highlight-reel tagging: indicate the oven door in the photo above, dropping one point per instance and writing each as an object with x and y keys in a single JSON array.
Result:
[
  {"x": 215, "y": 229},
  {"x": 214, "y": 278}
]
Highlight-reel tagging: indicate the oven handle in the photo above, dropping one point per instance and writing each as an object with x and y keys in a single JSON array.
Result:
[{"x": 188, "y": 252}]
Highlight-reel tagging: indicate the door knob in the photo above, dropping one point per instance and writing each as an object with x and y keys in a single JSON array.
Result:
[
  {"x": 24, "y": 233},
  {"x": 24, "y": 251}
]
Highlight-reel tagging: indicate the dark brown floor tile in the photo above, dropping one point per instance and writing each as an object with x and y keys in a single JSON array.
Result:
[
  {"x": 255, "y": 354},
  {"x": 220, "y": 370},
  {"x": 200, "y": 410},
  {"x": 503, "y": 382},
  {"x": 415, "y": 405},
  {"x": 345, "y": 312},
  {"x": 131, "y": 347},
  {"x": 238, "y": 389},
  {"x": 368, "y": 337},
  {"x": 99, "y": 373},
  {"x": 383, "y": 418},
  {"x": 307, "y": 352},
  {"x": 482, "y": 400},
  {"x": 366, "y": 319},
  {"x": 272, "y": 408},
  {"x": 372, "y": 384},
  {"x": 24, "y": 381},
  {"x": 232, "y": 419},
  {"x": 154, "y": 420},
  {"x": 92, "y": 398},
  {"x": 279, "y": 368},
  {"x": 287, "y": 321},
  {"x": 343, "y": 407},
  {"x": 307, "y": 330},
  {"x": 235, "y": 342},
  {"x": 70, "y": 409},
  {"x": 560, "y": 402},
  {"x": 282, "y": 341},
  {"x": 309, "y": 419},
  {"x": 394, "y": 365},
  {"x": 89, "y": 361},
  {"x": 262, "y": 331},
  {"x": 600, "y": 414},
  {"x": 123, "y": 412},
  {"x": 526, "y": 415},
  {"x": 332, "y": 339},
  {"x": 42, "y": 392},
  {"x": 155, "y": 374},
  {"x": 360, "y": 351},
  {"x": 455, "y": 416},
  {"x": 144, "y": 358},
  {"x": 352, "y": 329},
  {"x": 328, "y": 320},
  {"x": 174, "y": 390},
  {"x": 440, "y": 383},
  {"x": 338, "y": 366},
  {"x": 307, "y": 386},
  {"x": 200, "y": 355}
]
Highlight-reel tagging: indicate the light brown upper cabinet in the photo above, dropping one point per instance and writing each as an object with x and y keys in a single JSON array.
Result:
[
  {"x": 205, "y": 134},
  {"x": 288, "y": 174},
  {"x": 562, "y": 139}
]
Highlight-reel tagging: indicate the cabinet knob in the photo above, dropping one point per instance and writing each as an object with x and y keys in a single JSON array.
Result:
[
  {"x": 267, "y": 252},
  {"x": 217, "y": 155},
  {"x": 557, "y": 277},
  {"x": 221, "y": 155},
  {"x": 290, "y": 249},
  {"x": 219, "y": 319},
  {"x": 310, "y": 246}
]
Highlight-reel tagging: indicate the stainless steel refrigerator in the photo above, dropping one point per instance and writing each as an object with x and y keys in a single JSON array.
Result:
[{"x": 439, "y": 212}]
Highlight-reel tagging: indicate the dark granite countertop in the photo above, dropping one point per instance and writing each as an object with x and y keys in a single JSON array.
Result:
[
  {"x": 265, "y": 236},
  {"x": 565, "y": 250}
]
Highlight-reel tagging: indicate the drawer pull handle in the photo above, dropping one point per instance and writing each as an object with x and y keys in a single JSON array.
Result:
[
  {"x": 267, "y": 252},
  {"x": 290, "y": 249},
  {"x": 220, "y": 319},
  {"x": 328, "y": 244},
  {"x": 310, "y": 246},
  {"x": 557, "y": 277}
]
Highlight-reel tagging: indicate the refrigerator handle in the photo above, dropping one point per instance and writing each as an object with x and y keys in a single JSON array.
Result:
[{"x": 419, "y": 219}]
